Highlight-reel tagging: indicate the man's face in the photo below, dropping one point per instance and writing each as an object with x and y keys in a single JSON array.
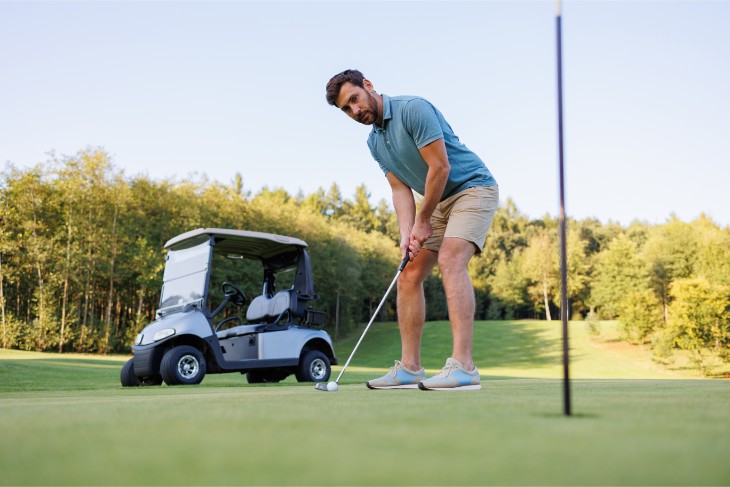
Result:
[{"x": 360, "y": 104}]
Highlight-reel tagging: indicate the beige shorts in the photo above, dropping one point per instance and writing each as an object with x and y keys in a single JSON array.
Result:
[{"x": 466, "y": 215}]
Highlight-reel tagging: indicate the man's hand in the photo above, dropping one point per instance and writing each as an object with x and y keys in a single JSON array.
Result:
[{"x": 420, "y": 232}]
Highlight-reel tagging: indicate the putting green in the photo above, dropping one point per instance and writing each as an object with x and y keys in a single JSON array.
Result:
[{"x": 66, "y": 421}]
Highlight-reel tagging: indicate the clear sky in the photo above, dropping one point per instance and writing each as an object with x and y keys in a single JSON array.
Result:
[{"x": 176, "y": 88}]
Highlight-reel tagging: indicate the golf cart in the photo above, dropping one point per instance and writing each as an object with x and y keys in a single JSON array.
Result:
[{"x": 278, "y": 336}]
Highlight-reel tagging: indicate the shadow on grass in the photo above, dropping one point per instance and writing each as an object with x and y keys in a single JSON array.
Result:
[
  {"x": 520, "y": 345},
  {"x": 573, "y": 415}
]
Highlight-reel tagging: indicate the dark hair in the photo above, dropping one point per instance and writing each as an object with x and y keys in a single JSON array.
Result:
[{"x": 335, "y": 84}]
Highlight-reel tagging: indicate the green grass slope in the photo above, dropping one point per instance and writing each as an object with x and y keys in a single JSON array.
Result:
[
  {"x": 512, "y": 349},
  {"x": 66, "y": 421}
]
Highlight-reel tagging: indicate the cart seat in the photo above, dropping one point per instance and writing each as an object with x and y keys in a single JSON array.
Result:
[
  {"x": 264, "y": 308},
  {"x": 240, "y": 330}
]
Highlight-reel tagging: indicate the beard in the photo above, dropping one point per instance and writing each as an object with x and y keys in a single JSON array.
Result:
[{"x": 370, "y": 115}]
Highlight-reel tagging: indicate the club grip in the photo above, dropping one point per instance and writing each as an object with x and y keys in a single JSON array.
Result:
[{"x": 406, "y": 259}]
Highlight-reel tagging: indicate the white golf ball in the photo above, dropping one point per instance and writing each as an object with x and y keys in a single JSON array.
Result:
[{"x": 332, "y": 386}]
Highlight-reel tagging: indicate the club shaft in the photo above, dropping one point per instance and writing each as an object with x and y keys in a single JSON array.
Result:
[{"x": 395, "y": 279}]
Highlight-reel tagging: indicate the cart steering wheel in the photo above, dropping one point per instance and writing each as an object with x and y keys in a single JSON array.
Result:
[{"x": 233, "y": 293}]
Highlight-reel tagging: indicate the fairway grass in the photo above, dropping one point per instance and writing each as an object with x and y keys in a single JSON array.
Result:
[{"x": 66, "y": 421}]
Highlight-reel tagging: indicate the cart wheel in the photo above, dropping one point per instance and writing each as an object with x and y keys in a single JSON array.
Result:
[
  {"x": 183, "y": 365},
  {"x": 127, "y": 376},
  {"x": 314, "y": 367}
]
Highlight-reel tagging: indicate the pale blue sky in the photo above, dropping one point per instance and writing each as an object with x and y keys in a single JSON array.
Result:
[{"x": 174, "y": 88}]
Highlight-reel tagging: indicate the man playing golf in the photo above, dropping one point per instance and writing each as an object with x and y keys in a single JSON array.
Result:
[{"x": 419, "y": 152}]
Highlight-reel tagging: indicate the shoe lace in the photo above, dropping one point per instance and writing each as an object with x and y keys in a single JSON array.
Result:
[
  {"x": 395, "y": 368},
  {"x": 445, "y": 371}
]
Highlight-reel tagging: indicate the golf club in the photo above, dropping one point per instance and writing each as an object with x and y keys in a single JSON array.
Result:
[{"x": 333, "y": 385}]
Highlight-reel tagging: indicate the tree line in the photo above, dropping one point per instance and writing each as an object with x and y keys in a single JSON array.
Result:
[{"x": 81, "y": 259}]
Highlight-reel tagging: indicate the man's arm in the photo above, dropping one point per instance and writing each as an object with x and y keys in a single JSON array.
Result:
[
  {"x": 438, "y": 174},
  {"x": 405, "y": 209}
]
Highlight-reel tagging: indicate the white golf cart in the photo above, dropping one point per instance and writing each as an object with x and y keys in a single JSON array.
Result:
[{"x": 278, "y": 336}]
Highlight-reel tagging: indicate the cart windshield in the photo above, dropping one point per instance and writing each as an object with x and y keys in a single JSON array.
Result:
[{"x": 185, "y": 277}]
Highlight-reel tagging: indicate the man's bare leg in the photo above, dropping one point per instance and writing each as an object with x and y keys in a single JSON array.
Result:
[
  {"x": 412, "y": 306},
  {"x": 453, "y": 259}
]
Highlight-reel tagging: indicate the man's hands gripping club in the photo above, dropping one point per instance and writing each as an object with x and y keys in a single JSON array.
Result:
[
  {"x": 413, "y": 242},
  {"x": 415, "y": 228}
]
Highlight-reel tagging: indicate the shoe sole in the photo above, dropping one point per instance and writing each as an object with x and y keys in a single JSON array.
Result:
[
  {"x": 472, "y": 387},
  {"x": 402, "y": 386}
]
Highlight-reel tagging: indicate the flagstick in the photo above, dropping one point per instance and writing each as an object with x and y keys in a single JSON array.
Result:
[{"x": 563, "y": 253}]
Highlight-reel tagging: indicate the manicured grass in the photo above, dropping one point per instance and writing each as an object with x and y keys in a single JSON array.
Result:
[
  {"x": 526, "y": 349},
  {"x": 66, "y": 421}
]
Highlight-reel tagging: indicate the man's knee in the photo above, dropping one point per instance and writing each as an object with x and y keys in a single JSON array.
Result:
[
  {"x": 418, "y": 270},
  {"x": 410, "y": 278},
  {"x": 455, "y": 255}
]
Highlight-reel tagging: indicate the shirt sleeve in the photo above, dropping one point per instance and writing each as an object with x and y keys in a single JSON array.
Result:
[{"x": 422, "y": 123}]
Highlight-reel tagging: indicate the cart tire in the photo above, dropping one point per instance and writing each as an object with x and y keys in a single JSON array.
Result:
[
  {"x": 127, "y": 376},
  {"x": 183, "y": 365},
  {"x": 314, "y": 367}
]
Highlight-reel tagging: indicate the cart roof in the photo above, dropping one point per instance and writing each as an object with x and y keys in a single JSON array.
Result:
[{"x": 248, "y": 244}]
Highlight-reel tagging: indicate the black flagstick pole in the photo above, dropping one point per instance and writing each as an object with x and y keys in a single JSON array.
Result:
[{"x": 563, "y": 253}]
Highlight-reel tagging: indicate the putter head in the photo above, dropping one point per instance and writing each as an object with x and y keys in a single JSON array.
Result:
[{"x": 321, "y": 386}]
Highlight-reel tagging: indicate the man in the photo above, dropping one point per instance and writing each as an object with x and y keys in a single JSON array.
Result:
[{"x": 418, "y": 151}]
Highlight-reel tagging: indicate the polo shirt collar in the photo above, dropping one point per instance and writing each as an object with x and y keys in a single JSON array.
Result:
[{"x": 386, "y": 113}]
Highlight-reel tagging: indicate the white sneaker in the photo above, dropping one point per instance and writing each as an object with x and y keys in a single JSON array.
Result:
[{"x": 453, "y": 377}]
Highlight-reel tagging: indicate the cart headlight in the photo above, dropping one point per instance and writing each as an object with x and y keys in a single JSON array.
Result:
[
  {"x": 162, "y": 334},
  {"x": 138, "y": 340}
]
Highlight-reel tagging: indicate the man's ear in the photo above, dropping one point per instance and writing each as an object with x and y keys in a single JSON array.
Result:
[{"x": 367, "y": 85}]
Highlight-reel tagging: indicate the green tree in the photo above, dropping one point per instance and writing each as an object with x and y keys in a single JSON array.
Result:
[
  {"x": 541, "y": 266},
  {"x": 333, "y": 202},
  {"x": 618, "y": 272},
  {"x": 506, "y": 239},
  {"x": 5, "y": 249},
  {"x": 33, "y": 201},
  {"x": 641, "y": 314},
  {"x": 387, "y": 222},
  {"x": 713, "y": 256},
  {"x": 699, "y": 319},
  {"x": 579, "y": 272},
  {"x": 315, "y": 202},
  {"x": 670, "y": 253},
  {"x": 509, "y": 286},
  {"x": 359, "y": 213}
]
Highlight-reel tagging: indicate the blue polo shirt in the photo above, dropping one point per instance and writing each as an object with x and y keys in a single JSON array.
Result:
[{"x": 411, "y": 123}]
